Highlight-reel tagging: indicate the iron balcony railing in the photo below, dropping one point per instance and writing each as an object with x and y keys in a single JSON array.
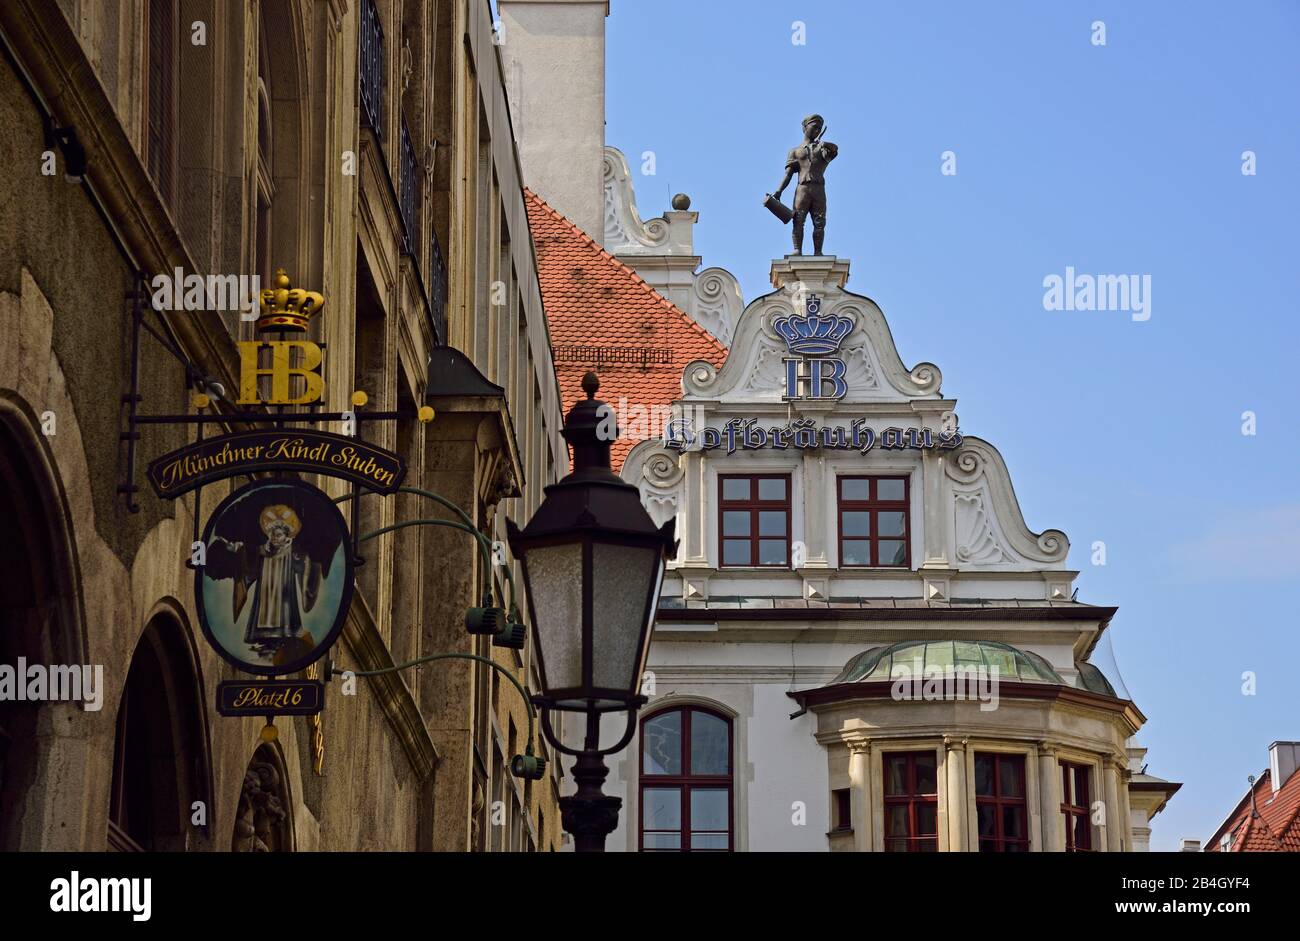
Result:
[{"x": 372, "y": 68}]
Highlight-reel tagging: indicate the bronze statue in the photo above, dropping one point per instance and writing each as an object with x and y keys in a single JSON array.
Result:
[{"x": 809, "y": 160}]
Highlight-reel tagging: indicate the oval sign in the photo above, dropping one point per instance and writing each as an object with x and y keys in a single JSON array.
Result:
[{"x": 277, "y": 580}]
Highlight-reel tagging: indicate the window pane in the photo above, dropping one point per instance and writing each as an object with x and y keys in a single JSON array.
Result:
[
  {"x": 987, "y": 814},
  {"x": 736, "y": 552},
  {"x": 1009, "y": 776},
  {"x": 1082, "y": 832},
  {"x": 984, "y": 776},
  {"x": 890, "y": 489},
  {"x": 661, "y": 808},
  {"x": 896, "y": 846},
  {"x": 893, "y": 552},
  {"x": 856, "y": 552},
  {"x": 661, "y": 743},
  {"x": 771, "y": 523},
  {"x": 896, "y": 820},
  {"x": 896, "y": 774},
  {"x": 771, "y": 552},
  {"x": 889, "y": 523},
  {"x": 771, "y": 488},
  {"x": 735, "y": 488},
  {"x": 710, "y": 744},
  {"x": 926, "y": 780},
  {"x": 708, "y": 841},
  {"x": 855, "y": 523},
  {"x": 663, "y": 841},
  {"x": 709, "y": 809},
  {"x": 1013, "y": 821},
  {"x": 735, "y": 522},
  {"x": 855, "y": 489},
  {"x": 927, "y": 816},
  {"x": 988, "y": 846}
]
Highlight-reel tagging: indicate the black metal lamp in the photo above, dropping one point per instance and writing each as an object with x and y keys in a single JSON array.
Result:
[{"x": 593, "y": 562}]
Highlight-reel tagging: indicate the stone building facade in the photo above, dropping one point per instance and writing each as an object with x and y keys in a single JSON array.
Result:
[{"x": 365, "y": 147}]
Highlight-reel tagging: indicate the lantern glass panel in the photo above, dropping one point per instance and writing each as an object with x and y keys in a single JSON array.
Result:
[
  {"x": 622, "y": 578},
  {"x": 555, "y": 587}
]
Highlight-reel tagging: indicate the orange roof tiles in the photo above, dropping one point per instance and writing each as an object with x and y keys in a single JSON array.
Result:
[
  {"x": 1276, "y": 826},
  {"x": 598, "y": 308}
]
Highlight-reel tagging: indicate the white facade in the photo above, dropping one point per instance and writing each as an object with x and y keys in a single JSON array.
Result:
[
  {"x": 553, "y": 56},
  {"x": 738, "y": 639}
]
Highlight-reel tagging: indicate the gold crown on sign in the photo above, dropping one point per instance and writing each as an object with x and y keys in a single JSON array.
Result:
[{"x": 288, "y": 308}]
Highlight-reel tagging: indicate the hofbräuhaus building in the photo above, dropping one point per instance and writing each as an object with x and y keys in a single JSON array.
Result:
[{"x": 862, "y": 644}]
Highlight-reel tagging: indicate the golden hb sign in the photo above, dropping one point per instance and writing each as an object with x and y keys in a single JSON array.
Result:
[{"x": 284, "y": 309}]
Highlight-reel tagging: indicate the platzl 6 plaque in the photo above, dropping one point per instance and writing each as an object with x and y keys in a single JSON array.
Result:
[{"x": 270, "y": 698}]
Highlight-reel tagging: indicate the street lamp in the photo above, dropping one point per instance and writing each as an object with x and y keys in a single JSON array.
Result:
[{"x": 593, "y": 562}]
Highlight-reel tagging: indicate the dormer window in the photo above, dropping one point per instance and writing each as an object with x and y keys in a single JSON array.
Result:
[
  {"x": 875, "y": 530},
  {"x": 754, "y": 520}
]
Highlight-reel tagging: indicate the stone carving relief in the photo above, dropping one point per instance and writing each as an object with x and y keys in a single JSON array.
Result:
[
  {"x": 716, "y": 302},
  {"x": 977, "y": 543}
]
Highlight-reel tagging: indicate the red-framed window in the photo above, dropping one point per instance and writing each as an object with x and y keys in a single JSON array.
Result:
[
  {"x": 1076, "y": 805},
  {"x": 874, "y": 522},
  {"x": 1000, "y": 803},
  {"x": 911, "y": 802},
  {"x": 754, "y": 520},
  {"x": 686, "y": 784}
]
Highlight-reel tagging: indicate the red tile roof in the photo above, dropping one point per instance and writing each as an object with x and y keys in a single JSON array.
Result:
[
  {"x": 598, "y": 307},
  {"x": 1270, "y": 825}
]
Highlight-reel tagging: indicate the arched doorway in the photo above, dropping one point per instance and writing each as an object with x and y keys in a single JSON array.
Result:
[
  {"x": 264, "y": 817},
  {"x": 39, "y": 610},
  {"x": 161, "y": 761}
]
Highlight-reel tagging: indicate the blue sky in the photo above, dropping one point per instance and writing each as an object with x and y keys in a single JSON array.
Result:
[{"x": 1122, "y": 159}]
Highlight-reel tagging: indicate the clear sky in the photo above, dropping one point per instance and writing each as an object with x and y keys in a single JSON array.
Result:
[{"x": 1117, "y": 159}]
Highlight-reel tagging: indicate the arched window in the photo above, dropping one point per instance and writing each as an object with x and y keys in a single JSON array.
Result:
[
  {"x": 686, "y": 786},
  {"x": 161, "y": 762}
]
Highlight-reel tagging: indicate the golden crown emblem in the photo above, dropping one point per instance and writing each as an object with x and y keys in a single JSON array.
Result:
[{"x": 288, "y": 308}]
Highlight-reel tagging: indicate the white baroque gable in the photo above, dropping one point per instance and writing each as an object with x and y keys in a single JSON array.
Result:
[
  {"x": 988, "y": 527},
  {"x": 754, "y": 371}
]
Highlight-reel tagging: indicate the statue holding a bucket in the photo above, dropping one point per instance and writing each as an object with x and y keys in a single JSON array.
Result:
[{"x": 809, "y": 161}]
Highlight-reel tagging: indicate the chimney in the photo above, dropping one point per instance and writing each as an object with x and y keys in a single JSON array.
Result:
[
  {"x": 1190, "y": 846},
  {"x": 553, "y": 55},
  {"x": 1283, "y": 758}
]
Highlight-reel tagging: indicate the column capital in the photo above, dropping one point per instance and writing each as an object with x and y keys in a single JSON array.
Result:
[
  {"x": 858, "y": 746},
  {"x": 953, "y": 743}
]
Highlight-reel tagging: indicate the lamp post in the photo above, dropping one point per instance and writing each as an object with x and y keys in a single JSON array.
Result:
[{"x": 593, "y": 562}]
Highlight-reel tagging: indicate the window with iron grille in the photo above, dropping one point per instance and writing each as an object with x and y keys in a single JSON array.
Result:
[
  {"x": 371, "y": 58},
  {"x": 409, "y": 192},
  {"x": 1000, "y": 803},
  {"x": 911, "y": 802},
  {"x": 161, "y": 103}
]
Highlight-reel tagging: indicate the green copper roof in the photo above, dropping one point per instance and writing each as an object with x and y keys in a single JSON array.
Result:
[{"x": 1011, "y": 663}]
